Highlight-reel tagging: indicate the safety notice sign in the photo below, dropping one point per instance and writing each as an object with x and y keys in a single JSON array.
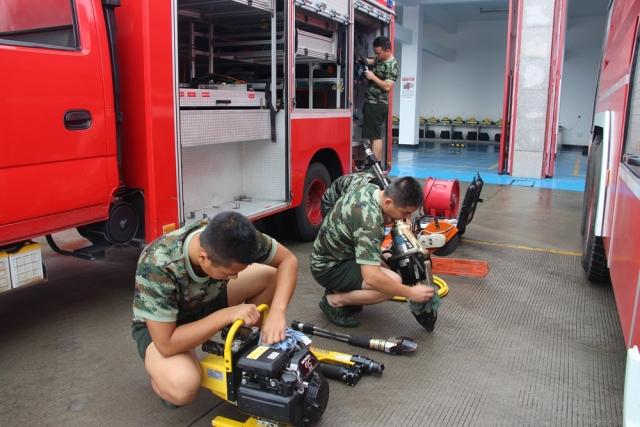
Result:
[{"x": 408, "y": 91}]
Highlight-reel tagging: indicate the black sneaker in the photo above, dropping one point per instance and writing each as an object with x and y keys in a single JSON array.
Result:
[
  {"x": 354, "y": 309},
  {"x": 427, "y": 319},
  {"x": 340, "y": 316}
]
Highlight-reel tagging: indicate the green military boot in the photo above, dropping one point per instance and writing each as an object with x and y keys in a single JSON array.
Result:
[{"x": 340, "y": 316}]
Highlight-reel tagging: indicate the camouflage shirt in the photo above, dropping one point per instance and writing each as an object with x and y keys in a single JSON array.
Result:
[
  {"x": 354, "y": 229},
  {"x": 343, "y": 185},
  {"x": 168, "y": 289},
  {"x": 386, "y": 71}
]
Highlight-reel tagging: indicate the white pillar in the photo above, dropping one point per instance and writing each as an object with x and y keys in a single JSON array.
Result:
[
  {"x": 408, "y": 88},
  {"x": 533, "y": 87}
]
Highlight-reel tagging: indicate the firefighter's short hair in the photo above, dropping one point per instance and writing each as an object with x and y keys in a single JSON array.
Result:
[
  {"x": 405, "y": 192},
  {"x": 230, "y": 237},
  {"x": 382, "y": 42}
]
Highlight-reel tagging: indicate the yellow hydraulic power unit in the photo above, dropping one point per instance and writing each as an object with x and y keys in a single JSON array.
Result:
[{"x": 272, "y": 386}]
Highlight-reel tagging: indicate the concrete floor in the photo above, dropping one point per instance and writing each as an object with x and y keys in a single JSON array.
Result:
[{"x": 533, "y": 343}]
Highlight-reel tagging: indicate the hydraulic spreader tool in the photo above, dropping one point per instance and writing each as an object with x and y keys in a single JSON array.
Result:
[{"x": 392, "y": 345}]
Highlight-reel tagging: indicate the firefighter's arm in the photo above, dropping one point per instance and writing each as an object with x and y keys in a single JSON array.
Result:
[
  {"x": 385, "y": 85},
  {"x": 170, "y": 339},
  {"x": 381, "y": 282},
  {"x": 286, "y": 264}
]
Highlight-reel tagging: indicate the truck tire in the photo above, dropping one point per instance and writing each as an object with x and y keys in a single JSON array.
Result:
[
  {"x": 594, "y": 259},
  {"x": 308, "y": 216},
  {"x": 591, "y": 184}
]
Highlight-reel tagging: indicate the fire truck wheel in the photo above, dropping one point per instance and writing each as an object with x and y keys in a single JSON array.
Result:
[
  {"x": 594, "y": 258},
  {"x": 591, "y": 181},
  {"x": 123, "y": 223},
  {"x": 308, "y": 216}
]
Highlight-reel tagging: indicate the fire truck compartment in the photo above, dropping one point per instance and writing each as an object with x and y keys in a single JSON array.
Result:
[{"x": 232, "y": 144}]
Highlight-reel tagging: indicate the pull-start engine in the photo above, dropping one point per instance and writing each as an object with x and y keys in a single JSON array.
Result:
[
  {"x": 284, "y": 386},
  {"x": 276, "y": 386}
]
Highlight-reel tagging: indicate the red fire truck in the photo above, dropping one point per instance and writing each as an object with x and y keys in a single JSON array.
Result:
[
  {"x": 128, "y": 120},
  {"x": 612, "y": 197}
]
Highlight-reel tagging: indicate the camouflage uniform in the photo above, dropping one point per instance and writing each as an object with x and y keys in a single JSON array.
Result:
[
  {"x": 168, "y": 290},
  {"x": 350, "y": 236},
  {"x": 385, "y": 70},
  {"x": 376, "y": 102},
  {"x": 343, "y": 185}
]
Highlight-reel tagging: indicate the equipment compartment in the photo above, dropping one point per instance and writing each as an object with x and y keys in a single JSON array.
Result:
[{"x": 231, "y": 125}]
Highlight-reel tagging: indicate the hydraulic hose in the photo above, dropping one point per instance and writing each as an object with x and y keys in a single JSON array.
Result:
[{"x": 443, "y": 289}]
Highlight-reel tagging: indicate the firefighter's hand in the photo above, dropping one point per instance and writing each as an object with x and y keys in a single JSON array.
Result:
[
  {"x": 248, "y": 313},
  {"x": 273, "y": 328},
  {"x": 421, "y": 293},
  {"x": 369, "y": 74}
]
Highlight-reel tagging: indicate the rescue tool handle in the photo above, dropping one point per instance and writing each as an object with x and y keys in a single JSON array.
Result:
[
  {"x": 262, "y": 308},
  {"x": 349, "y": 376},
  {"x": 303, "y": 327},
  {"x": 360, "y": 341}
]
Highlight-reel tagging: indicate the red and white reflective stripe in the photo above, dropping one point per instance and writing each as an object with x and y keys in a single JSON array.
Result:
[{"x": 624, "y": 80}]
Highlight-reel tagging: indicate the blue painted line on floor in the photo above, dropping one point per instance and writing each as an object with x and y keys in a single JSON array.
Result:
[
  {"x": 523, "y": 182},
  {"x": 463, "y": 164}
]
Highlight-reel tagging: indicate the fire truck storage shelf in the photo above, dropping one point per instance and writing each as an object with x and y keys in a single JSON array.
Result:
[
  {"x": 230, "y": 96},
  {"x": 247, "y": 206},
  {"x": 204, "y": 127},
  {"x": 316, "y": 46}
]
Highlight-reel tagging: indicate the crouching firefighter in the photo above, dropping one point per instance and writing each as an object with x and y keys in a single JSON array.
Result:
[
  {"x": 193, "y": 282},
  {"x": 347, "y": 257}
]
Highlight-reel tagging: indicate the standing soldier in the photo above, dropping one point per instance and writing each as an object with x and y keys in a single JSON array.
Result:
[{"x": 382, "y": 74}]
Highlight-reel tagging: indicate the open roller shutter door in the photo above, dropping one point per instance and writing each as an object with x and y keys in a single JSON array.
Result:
[
  {"x": 376, "y": 12},
  {"x": 259, "y": 4},
  {"x": 335, "y": 10}
]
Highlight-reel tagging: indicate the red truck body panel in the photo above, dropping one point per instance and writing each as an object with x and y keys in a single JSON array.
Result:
[
  {"x": 621, "y": 229},
  {"x": 147, "y": 83},
  {"x": 39, "y": 155},
  {"x": 59, "y": 178}
]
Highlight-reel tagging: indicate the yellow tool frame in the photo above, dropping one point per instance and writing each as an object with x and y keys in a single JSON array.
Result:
[{"x": 218, "y": 376}]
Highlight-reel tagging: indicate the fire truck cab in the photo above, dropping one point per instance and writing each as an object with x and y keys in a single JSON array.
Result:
[{"x": 129, "y": 119}]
